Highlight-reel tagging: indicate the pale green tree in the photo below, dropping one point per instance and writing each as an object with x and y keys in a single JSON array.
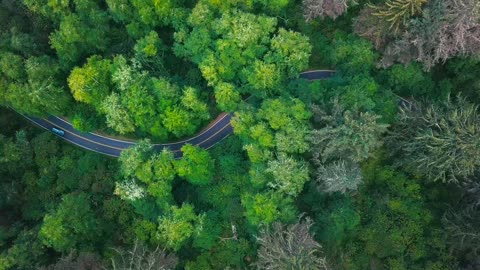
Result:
[
  {"x": 118, "y": 118},
  {"x": 339, "y": 176},
  {"x": 289, "y": 174},
  {"x": 348, "y": 135},
  {"x": 321, "y": 8},
  {"x": 290, "y": 247},
  {"x": 129, "y": 190}
]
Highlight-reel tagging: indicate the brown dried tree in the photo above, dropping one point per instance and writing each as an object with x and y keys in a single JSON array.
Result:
[
  {"x": 372, "y": 27},
  {"x": 446, "y": 28},
  {"x": 449, "y": 28},
  {"x": 320, "y": 8}
]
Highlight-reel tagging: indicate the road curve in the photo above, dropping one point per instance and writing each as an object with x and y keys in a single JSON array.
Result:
[{"x": 219, "y": 129}]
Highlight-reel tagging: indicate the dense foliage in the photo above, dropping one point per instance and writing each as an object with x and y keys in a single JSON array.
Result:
[{"x": 375, "y": 167}]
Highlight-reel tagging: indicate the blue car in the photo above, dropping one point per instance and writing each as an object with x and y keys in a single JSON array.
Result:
[{"x": 57, "y": 131}]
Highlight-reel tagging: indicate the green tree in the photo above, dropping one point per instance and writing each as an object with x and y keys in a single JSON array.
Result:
[
  {"x": 178, "y": 226},
  {"x": 43, "y": 75},
  {"x": 140, "y": 102},
  {"x": 158, "y": 173},
  {"x": 25, "y": 251},
  {"x": 282, "y": 113},
  {"x": 196, "y": 165},
  {"x": 79, "y": 36},
  {"x": 72, "y": 225},
  {"x": 265, "y": 208},
  {"x": 12, "y": 66},
  {"x": 337, "y": 224},
  {"x": 402, "y": 232},
  {"x": 265, "y": 78},
  {"x": 132, "y": 158},
  {"x": 163, "y": 166},
  {"x": 32, "y": 86},
  {"x": 153, "y": 13},
  {"x": 91, "y": 83},
  {"x": 150, "y": 52},
  {"x": 280, "y": 123},
  {"x": 211, "y": 231},
  {"x": 410, "y": 80},
  {"x": 191, "y": 101},
  {"x": 227, "y": 97},
  {"x": 291, "y": 50},
  {"x": 178, "y": 121},
  {"x": 235, "y": 47},
  {"x": 230, "y": 253},
  {"x": 352, "y": 55}
]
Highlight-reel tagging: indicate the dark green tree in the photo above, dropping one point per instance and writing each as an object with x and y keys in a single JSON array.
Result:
[
  {"x": 438, "y": 141},
  {"x": 72, "y": 225}
]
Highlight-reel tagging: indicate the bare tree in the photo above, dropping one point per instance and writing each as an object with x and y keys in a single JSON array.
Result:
[
  {"x": 74, "y": 261},
  {"x": 139, "y": 257},
  {"x": 291, "y": 247},
  {"x": 320, "y": 8}
]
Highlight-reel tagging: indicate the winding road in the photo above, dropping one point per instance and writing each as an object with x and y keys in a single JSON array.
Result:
[{"x": 219, "y": 129}]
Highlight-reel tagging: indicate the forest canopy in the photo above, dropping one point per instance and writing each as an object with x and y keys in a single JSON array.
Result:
[{"x": 372, "y": 166}]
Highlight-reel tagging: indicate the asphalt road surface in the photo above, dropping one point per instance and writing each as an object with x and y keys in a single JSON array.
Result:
[{"x": 218, "y": 130}]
